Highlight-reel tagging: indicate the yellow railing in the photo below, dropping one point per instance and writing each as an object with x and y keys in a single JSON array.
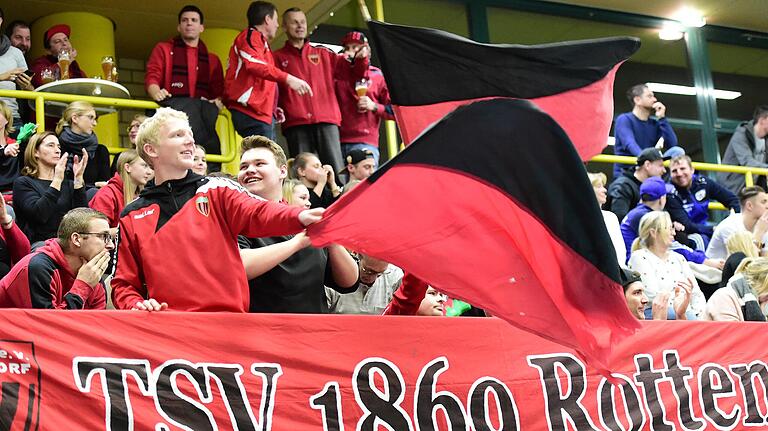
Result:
[
  {"x": 748, "y": 171},
  {"x": 227, "y": 137}
]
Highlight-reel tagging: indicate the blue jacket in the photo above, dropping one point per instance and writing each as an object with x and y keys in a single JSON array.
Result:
[
  {"x": 694, "y": 203},
  {"x": 633, "y": 135},
  {"x": 631, "y": 224}
]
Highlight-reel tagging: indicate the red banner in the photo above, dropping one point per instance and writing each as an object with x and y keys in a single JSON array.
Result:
[{"x": 200, "y": 371}]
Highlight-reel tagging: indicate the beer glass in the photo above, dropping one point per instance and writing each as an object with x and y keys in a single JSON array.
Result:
[
  {"x": 65, "y": 58},
  {"x": 361, "y": 87},
  {"x": 47, "y": 75},
  {"x": 107, "y": 64}
]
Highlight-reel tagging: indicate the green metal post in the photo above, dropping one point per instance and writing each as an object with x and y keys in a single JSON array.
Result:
[
  {"x": 478, "y": 21},
  {"x": 698, "y": 60}
]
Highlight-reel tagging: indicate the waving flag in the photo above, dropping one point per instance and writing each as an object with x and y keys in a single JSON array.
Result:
[
  {"x": 492, "y": 205},
  {"x": 431, "y": 72}
]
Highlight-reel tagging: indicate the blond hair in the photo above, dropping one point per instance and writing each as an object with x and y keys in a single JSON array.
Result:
[
  {"x": 149, "y": 131},
  {"x": 77, "y": 107},
  {"x": 755, "y": 271},
  {"x": 258, "y": 141},
  {"x": 130, "y": 188},
  {"x": 288, "y": 188},
  {"x": 743, "y": 242},
  {"x": 31, "y": 164},
  {"x": 653, "y": 222},
  {"x": 5, "y": 110},
  {"x": 597, "y": 179}
]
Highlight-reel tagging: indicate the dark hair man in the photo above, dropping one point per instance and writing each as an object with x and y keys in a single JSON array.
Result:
[
  {"x": 624, "y": 191},
  {"x": 752, "y": 218},
  {"x": 746, "y": 148},
  {"x": 635, "y": 130}
]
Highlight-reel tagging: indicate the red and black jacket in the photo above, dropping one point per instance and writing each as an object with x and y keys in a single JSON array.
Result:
[
  {"x": 178, "y": 243},
  {"x": 44, "y": 280}
]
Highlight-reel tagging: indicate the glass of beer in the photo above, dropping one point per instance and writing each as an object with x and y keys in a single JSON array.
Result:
[
  {"x": 47, "y": 75},
  {"x": 107, "y": 64},
  {"x": 361, "y": 87},
  {"x": 65, "y": 58}
]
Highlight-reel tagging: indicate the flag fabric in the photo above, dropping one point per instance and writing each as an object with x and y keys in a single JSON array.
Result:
[
  {"x": 492, "y": 206},
  {"x": 431, "y": 72}
]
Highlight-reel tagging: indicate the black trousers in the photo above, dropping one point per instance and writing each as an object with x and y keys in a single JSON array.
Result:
[{"x": 321, "y": 139}]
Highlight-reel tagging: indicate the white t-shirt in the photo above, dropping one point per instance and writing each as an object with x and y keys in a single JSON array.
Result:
[
  {"x": 614, "y": 230},
  {"x": 732, "y": 224}
]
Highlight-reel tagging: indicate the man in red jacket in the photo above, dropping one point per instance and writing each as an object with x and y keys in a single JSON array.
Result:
[
  {"x": 250, "y": 85},
  {"x": 180, "y": 220},
  {"x": 66, "y": 272},
  {"x": 312, "y": 123},
  {"x": 362, "y": 115},
  {"x": 55, "y": 40},
  {"x": 183, "y": 74}
]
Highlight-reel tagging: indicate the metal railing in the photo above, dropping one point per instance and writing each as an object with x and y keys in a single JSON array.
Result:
[
  {"x": 748, "y": 171},
  {"x": 227, "y": 137}
]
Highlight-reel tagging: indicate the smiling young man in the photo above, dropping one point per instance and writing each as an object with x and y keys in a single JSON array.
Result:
[
  {"x": 181, "y": 220},
  {"x": 285, "y": 274},
  {"x": 66, "y": 272}
]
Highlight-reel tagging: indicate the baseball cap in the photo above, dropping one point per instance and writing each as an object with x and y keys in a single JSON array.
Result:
[
  {"x": 652, "y": 189},
  {"x": 58, "y": 28},
  {"x": 628, "y": 277},
  {"x": 354, "y": 37},
  {"x": 650, "y": 155},
  {"x": 356, "y": 156}
]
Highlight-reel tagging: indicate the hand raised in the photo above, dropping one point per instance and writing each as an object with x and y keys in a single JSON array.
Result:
[{"x": 92, "y": 271}]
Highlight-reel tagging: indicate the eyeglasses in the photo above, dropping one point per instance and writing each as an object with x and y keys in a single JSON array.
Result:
[
  {"x": 131, "y": 127},
  {"x": 369, "y": 272},
  {"x": 105, "y": 236}
]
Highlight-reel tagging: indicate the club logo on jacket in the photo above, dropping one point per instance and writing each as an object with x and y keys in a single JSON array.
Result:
[
  {"x": 284, "y": 64},
  {"x": 700, "y": 194},
  {"x": 314, "y": 58},
  {"x": 202, "y": 206},
  {"x": 177, "y": 85}
]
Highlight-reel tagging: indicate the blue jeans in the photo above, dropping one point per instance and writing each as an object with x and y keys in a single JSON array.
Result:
[
  {"x": 249, "y": 126},
  {"x": 346, "y": 148},
  {"x": 670, "y": 314}
]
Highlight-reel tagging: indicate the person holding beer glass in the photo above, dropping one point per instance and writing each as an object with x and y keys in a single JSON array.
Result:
[
  {"x": 364, "y": 101},
  {"x": 60, "y": 56}
]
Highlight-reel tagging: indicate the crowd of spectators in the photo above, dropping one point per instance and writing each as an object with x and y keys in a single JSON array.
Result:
[{"x": 60, "y": 242}]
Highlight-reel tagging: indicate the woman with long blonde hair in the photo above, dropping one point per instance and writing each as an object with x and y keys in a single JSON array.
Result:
[
  {"x": 75, "y": 131},
  {"x": 740, "y": 245},
  {"x": 661, "y": 269},
  {"x": 598, "y": 181},
  {"x": 132, "y": 175},
  {"x": 745, "y": 297},
  {"x": 42, "y": 194}
]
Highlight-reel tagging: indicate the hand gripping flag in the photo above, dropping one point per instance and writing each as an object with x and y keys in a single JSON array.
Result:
[
  {"x": 431, "y": 72},
  {"x": 492, "y": 205}
]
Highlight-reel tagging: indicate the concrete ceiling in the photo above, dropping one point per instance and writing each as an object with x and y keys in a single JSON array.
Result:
[{"x": 742, "y": 14}]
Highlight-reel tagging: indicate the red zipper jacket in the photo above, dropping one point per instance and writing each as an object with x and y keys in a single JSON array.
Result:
[
  {"x": 44, "y": 280},
  {"x": 319, "y": 66},
  {"x": 109, "y": 200},
  {"x": 250, "y": 83},
  {"x": 178, "y": 243},
  {"x": 363, "y": 127},
  {"x": 159, "y": 71}
]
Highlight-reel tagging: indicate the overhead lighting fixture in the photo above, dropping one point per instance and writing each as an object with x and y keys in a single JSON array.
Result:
[
  {"x": 684, "y": 90},
  {"x": 671, "y": 31},
  {"x": 690, "y": 17}
]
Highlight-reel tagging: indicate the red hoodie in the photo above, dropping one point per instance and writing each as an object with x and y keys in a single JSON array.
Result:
[
  {"x": 44, "y": 280},
  {"x": 319, "y": 66},
  {"x": 109, "y": 200}
]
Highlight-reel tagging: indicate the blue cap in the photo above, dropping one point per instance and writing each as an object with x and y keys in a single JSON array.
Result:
[{"x": 652, "y": 189}]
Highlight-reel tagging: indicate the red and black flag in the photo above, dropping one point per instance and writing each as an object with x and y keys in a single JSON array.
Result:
[
  {"x": 492, "y": 205},
  {"x": 431, "y": 72}
]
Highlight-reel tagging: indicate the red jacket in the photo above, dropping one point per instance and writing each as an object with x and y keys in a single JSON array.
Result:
[
  {"x": 44, "y": 280},
  {"x": 250, "y": 84},
  {"x": 178, "y": 243},
  {"x": 319, "y": 66},
  {"x": 110, "y": 200},
  {"x": 160, "y": 64},
  {"x": 363, "y": 127},
  {"x": 16, "y": 243}
]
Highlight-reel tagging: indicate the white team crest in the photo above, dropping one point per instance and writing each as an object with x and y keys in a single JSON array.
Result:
[{"x": 701, "y": 194}]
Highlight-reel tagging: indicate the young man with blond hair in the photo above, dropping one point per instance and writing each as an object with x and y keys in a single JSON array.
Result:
[
  {"x": 285, "y": 274},
  {"x": 168, "y": 235}
]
